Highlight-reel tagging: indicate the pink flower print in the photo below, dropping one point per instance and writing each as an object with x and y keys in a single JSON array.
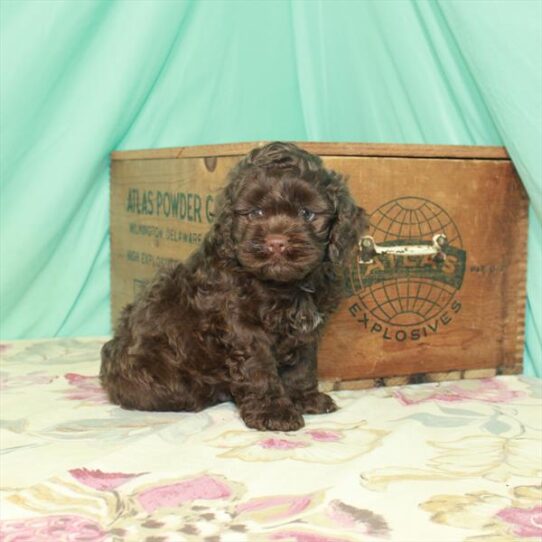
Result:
[
  {"x": 172, "y": 495},
  {"x": 322, "y": 435},
  {"x": 525, "y": 522},
  {"x": 61, "y": 528},
  {"x": 85, "y": 388},
  {"x": 282, "y": 444},
  {"x": 4, "y": 347},
  {"x": 274, "y": 508},
  {"x": 339, "y": 515},
  {"x": 104, "y": 481},
  {"x": 490, "y": 390},
  {"x": 361, "y": 520},
  {"x": 304, "y": 536}
]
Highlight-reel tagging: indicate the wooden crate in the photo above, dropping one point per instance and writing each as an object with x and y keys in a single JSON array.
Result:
[{"x": 407, "y": 318}]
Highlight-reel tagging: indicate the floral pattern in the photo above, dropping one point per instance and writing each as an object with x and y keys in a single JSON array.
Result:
[
  {"x": 191, "y": 508},
  {"x": 68, "y": 528},
  {"x": 450, "y": 461},
  {"x": 329, "y": 443},
  {"x": 488, "y": 390},
  {"x": 506, "y": 517},
  {"x": 101, "y": 480},
  {"x": 86, "y": 389}
]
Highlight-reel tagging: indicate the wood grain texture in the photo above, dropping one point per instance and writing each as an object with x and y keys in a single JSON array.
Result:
[
  {"x": 405, "y": 320},
  {"x": 323, "y": 148}
]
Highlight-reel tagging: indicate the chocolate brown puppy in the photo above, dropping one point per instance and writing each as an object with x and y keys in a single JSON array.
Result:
[{"x": 241, "y": 319}]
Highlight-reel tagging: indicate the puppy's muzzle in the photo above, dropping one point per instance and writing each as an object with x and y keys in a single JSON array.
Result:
[{"x": 275, "y": 244}]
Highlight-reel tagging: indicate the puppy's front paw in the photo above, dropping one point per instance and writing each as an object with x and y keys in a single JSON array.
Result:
[
  {"x": 317, "y": 403},
  {"x": 274, "y": 418}
]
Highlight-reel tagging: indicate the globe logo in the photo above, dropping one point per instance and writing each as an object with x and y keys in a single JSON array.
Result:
[{"x": 409, "y": 290}]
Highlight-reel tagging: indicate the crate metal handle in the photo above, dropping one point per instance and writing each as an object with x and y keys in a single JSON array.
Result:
[{"x": 368, "y": 249}]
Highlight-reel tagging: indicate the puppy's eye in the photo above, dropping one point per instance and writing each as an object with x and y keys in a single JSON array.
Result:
[
  {"x": 307, "y": 214},
  {"x": 256, "y": 213}
]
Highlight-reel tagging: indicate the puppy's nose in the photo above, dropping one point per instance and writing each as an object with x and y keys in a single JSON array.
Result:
[{"x": 276, "y": 243}]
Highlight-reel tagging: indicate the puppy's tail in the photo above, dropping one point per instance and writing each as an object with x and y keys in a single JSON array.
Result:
[
  {"x": 108, "y": 356},
  {"x": 113, "y": 350}
]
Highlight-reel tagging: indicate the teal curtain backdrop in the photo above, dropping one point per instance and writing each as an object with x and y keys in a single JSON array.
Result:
[{"x": 81, "y": 78}]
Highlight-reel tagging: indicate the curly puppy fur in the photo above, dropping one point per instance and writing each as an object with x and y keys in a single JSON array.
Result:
[{"x": 241, "y": 319}]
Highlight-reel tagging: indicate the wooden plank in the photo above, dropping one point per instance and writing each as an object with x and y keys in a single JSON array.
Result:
[
  {"x": 479, "y": 325},
  {"x": 461, "y": 320},
  {"x": 474, "y": 374},
  {"x": 324, "y": 149},
  {"x": 167, "y": 226}
]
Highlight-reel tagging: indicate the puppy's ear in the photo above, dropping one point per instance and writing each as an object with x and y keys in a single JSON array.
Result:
[
  {"x": 221, "y": 235},
  {"x": 220, "y": 239},
  {"x": 348, "y": 226}
]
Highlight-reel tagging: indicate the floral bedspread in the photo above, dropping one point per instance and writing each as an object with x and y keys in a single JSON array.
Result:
[{"x": 450, "y": 462}]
